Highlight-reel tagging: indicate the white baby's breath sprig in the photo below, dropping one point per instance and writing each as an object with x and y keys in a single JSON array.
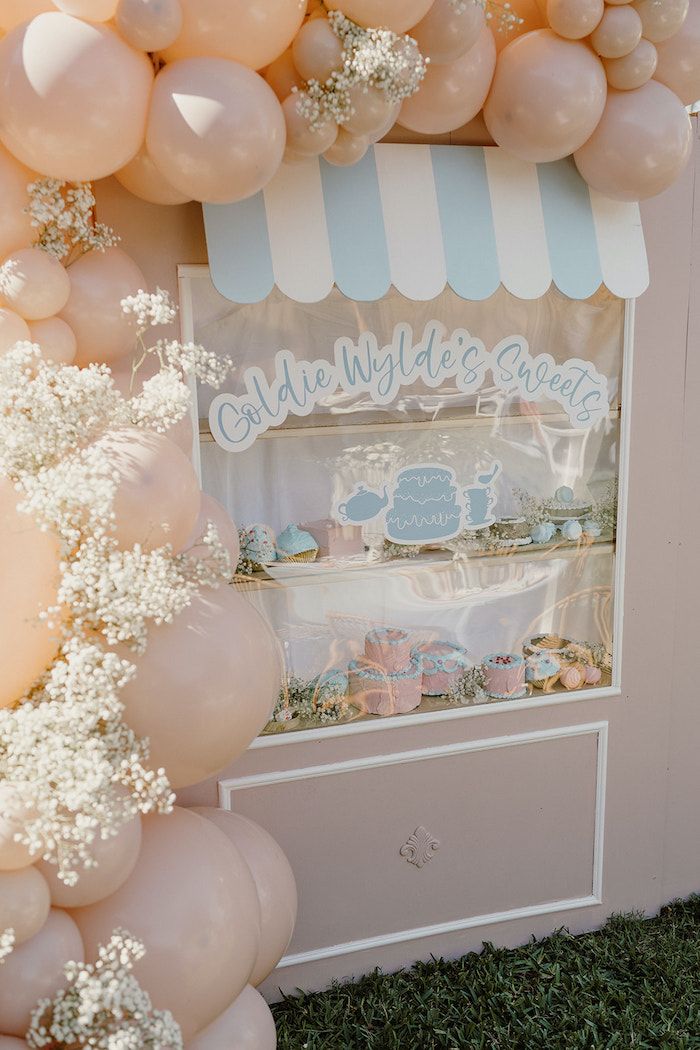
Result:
[
  {"x": 63, "y": 214},
  {"x": 7, "y": 943},
  {"x": 104, "y": 1007}
]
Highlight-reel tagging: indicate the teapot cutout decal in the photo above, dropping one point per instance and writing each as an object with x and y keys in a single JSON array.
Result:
[
  {"x": 363, "y": 505},
  {"x": 424, "y": 504}
]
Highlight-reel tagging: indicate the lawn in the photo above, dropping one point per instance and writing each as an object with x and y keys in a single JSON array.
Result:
[{"x": 634, "y": 985}]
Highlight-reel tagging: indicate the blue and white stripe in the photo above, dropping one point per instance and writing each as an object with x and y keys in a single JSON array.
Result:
[{"x": 421, "y": 217}]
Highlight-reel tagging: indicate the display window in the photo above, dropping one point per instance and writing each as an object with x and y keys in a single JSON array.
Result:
[{"x": 428, "y": 492}]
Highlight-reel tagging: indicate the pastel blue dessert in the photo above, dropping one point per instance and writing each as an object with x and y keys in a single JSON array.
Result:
[
  {"x": 293, "y": 544},
  {"x": 572, "y": 530}
]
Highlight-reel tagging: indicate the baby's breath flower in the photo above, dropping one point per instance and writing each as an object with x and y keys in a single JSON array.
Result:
[
  {"x": 104, "y": 1007},
  {"x": 7, "y": 943},
  {"x": 63, "y": 213},
  {"x": 150, "y": 308}
]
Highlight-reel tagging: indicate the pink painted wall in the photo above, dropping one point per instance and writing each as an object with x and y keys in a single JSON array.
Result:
[{"x": 652, "y": 817}]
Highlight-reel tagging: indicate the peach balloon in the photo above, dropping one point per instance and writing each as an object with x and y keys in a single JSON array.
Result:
[
  {"x": 574, "y": 19},
  {"x": 378, "y": 135},
  {"x": 90, "y": 10},
  {"x": 445, "y": 33},
  {"x": 182, "y": 435},
  {"x": 303, "y": 139},
  {"x": 73, "y": 97},
  {"x": 157, "y": 496},
  {"x": 34, "y": 284},
  {"x": 115, "y": 858},
  {"x": 633, "y": 70},
  {"x": 347, "y": 149},
  {"x": 398, "y": 15},
  {"x": 618, "y": 32},
  {"x": 253, "y": 34},
  {"x": 142, "y": 178},
  {"x": 661, "y": 21},
  {"x": 205, "y": 687},
  {"x": 24, "y": 902},
  {"x": 99, "y": 281},
  {"x": 317, "y": 51},
  {"x": 248, "y": 1024},
  {"x": 29, "y": 575},
  {"x": 55, "y": 339},
  {"x": 216, "y": 129},
  {"x": 8, "y": 1042},
  {"x": 13, "y": 12},
  {"x": 149, "y": 25},
  {"x": 274, "y": 882},
  {"x": 14, "y": 814},
  {"x": 679, "y": 59},
  {"x": 282, "y": 75},
  {"x": 210, "y": 510},
  {"x": 34, "y": 970},
  {"x": 640, "y": 146},
  {"x": 547, "y": 97},
  {"x": 452, "y": 94},
  {"x": 13, "y": 329},
  {"x": 16, "y": 230},
  {"x": 371, "y": 110},
  {"x": 191, "y": 899},
  {"x": 531, "y": 15}
]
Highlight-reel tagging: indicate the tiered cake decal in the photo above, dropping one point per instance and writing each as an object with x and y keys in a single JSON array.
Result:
[{"x": 424, "y": 504}]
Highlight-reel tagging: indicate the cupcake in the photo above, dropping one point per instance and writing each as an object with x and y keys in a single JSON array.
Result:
[
  {"x": 257, "y": 545},
  {"x": 542, "y": 669},
  {"x": 296, "y": 545}
]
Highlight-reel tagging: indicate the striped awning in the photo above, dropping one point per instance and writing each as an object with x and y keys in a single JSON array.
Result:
[{"x": 421, "y": 217}]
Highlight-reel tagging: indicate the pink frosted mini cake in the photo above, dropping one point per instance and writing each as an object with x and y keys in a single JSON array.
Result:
[
  {"x": 378, "y": 693},
  {"x": 505, "y": 676},
  {"x": 334, "y": 540},
  {"x": 388, "y": 648},
  {"x": 442, "y": 664}
]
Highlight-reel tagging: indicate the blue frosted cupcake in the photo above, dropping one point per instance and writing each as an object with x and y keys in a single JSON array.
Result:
[
  {"x": 296, "y": 545},
  {"x": 257, "y": 545}
]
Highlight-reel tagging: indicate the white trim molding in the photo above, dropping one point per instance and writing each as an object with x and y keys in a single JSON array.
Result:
[{"x": 230, "y": 787}]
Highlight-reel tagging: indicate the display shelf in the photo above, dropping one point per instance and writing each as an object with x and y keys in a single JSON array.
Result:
[{"x": 308, "y": 574}]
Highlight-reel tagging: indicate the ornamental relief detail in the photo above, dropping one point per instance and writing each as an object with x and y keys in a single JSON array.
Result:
[{"x": 420, "y": 847}]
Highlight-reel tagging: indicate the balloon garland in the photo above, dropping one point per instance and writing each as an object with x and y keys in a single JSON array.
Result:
[{"x": 116, "y": 626}]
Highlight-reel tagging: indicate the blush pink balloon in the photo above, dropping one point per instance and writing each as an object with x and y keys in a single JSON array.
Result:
[
  {"x": 398, "y": 15},
  {"x": 445, "y": 33},
  {"x": 191, "y": 899},
  {"x": 316, "y": 51},
  {"x": 142, "y": 178},
  {"x": 618, "y": 32},
  {"x": 661, "y": 21},
  {"x": 282, "y": 76},
  {"x": 24, "y": 902},
  {"x": 210, "y": 510},
  {"x": 679, "y": 59},
  {"x": 157, "y": 495},
  {"x": 34, "y": 284},
  {"x": 149, "y": 25},
  {"x": 99, "y": 281},
  {"x": 347, "y": 149},
  {"x": 29, "y": 575},
  {"x": 302, "y": 139},
  {"x": 531, "y": 14},
  {"x": 248, "y": 1024},
  {"x": 274, "y": 882},
  {"x": 574, "y": 19},
  {"x": 13, "y": 12},
  {"x": 14, "y": 814},
  {"x": 371, "y": 110},
  {"x": 73, "y": 97},
  {"x": 640, "y": 146},
  {"x": 90, "y": 10},
  {"x": 8, "y": 1042},
  {"x": 547, "y": 97},
  {"x": 253, "y": 34},
  {"x": 451, "y": 95},
  {"x": 13, "y": 329},
  {"x": 216, "y": 129},
  {"x": 34, "y": 970},
  {"x": 115, "y": 858},
  {"x": 16, "y": 230},
  {"x": 633, "y": 70},
  {"x": 182, "y": 435},
  {"x": 205, "y": 687},
  {"x": 55, "y": 339}
]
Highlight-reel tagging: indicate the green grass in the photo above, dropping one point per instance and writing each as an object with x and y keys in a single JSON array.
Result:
[{"x": 634, "y": 985}]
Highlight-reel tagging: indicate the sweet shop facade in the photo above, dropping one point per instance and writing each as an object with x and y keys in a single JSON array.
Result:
[{"x": 456, "y": 447}]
